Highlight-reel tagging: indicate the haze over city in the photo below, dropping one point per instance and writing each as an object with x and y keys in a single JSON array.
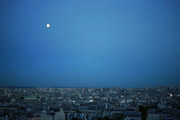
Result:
[{"x": 89, "y": 43}]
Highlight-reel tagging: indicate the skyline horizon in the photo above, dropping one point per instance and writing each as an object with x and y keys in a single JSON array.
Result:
[{"x": 90, "y": 87}]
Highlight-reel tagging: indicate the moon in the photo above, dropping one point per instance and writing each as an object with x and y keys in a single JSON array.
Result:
[{"x": 48, "y": 25}]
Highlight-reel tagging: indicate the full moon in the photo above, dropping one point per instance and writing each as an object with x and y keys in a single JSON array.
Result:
[{"x": 48, "y": 25}]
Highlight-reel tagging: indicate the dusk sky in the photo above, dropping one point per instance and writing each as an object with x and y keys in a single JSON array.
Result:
[{"x": 90, "y": 43}]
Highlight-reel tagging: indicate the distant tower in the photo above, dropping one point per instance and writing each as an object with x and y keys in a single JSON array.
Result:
[
  {"x": 5, "y": 92},
  {"x": 60, "y": 115}
]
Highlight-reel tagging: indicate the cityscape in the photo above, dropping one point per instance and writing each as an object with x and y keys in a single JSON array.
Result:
[
  {"x": 158, "y": 103},
  {"x": 90, "y": 60}
]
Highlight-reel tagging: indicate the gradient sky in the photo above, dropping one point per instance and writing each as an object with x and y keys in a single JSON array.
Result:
[{"x": 91, "y": 43}]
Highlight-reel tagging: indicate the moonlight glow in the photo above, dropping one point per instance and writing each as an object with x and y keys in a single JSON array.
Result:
[{"x": 48, "y": 25}]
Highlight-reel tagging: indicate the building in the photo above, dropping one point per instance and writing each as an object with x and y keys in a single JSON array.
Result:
[{"x": 59, "y": 115}]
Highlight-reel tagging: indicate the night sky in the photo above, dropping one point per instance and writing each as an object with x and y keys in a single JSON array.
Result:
[{"x": 91, "y": 43}]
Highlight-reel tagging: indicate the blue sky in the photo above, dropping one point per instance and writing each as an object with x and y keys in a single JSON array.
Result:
[{"x": 91, "y": 43}]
